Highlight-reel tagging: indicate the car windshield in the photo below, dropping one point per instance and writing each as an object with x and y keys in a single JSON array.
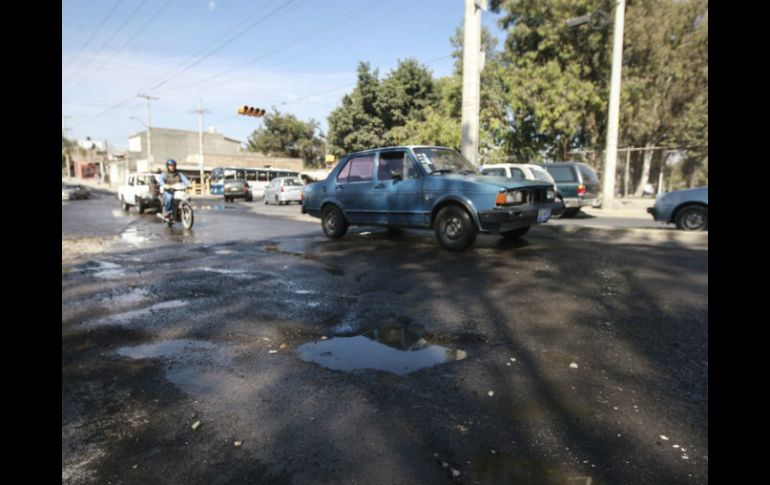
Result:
[
  {"x": 443, "y": 160},
  {"x": 292, "y": 182}
]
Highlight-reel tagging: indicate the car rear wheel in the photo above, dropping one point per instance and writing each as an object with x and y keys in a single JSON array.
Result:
[
  {"x": 454, "y": 228},
  {"x": 692, "y": 218},
  {"x": 333, "y": 222},
  {"x": 570, "y": 212},
  {"x": 515, "y": 233}
]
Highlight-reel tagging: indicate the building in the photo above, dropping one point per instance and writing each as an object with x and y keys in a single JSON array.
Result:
[{"x": 183, "y": 146}]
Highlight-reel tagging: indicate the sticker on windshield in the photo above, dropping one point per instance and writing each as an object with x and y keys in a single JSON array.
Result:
[{"x": 425, "y": 162}]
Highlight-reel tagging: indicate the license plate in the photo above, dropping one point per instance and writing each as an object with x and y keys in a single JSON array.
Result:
[{"x": 543, "y": 215}]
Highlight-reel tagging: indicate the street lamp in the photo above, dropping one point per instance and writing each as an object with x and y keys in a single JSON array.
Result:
[{"x": 611, "y": 154}]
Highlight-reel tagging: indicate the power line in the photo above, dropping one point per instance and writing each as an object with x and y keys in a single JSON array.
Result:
[
  {"x": 109, "y": 14},
  {"x": 122, "y": 26},
  {"x": 306, "y": 52},
  {"x": 229, "y": 41},
  {"x": 297, "y": 40},
  {"x": 131, "y": 39},
  {"x": 167, "y": 76}
]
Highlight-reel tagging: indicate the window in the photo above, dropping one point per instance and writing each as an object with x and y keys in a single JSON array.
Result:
[
  {"x": 391, "y": 162},
  {"x": 361, "y": 169},
  {"x": 496, "y": 172},
  {"x": 262, "y": 176},
  {"x": 588, "y": 174},
  {"x": 562, "y": 173},
  {"x": 130, "y": 180},
  {"x": 251, "y": 176},
  {"x": 517, "y": 174},
  {"x": 344, "y": 173}
]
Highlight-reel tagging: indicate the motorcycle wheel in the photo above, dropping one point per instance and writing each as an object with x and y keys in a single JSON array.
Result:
[{"x": 187, "y": 215}]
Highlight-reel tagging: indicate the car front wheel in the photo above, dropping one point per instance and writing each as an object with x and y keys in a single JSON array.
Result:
[
  {"x": 454, "y": 228},
  {"x": 693, "y": 218},
  {"x": 333, "y": 222}
]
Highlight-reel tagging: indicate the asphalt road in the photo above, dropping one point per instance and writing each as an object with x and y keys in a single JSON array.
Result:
[{"x": 242, "y": 352}]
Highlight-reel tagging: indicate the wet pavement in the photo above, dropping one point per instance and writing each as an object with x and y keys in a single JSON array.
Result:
[{"x": 377, "y": 358}]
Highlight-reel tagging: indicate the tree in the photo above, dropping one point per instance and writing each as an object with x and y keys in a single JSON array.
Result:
[
  {"x": 356, "y": 125},
  {"x": 286, "y": 136},
  {"x": 665, "y": 75},
  {"x": 556, "y": 77},
  {"x": 377, "y": 111}
]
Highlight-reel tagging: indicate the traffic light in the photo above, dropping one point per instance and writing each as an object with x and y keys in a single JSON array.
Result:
[{"x": 251, "y": 111}]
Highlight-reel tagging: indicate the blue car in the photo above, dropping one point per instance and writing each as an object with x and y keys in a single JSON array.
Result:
[
  {"x": 688, "y": 209},
  {"x": 426, "y": 187}
]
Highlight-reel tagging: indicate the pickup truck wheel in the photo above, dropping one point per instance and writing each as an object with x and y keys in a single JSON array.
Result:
[
  {"x": 454, "y": 228},
  {"x": 139, "y": 205},
  {"x": 515, "y": 233},
  {"x": 333, "y": 222},
  {"x": 692, "y": 218}
]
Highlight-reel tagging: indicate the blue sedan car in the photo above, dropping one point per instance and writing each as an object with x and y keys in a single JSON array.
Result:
[
  {"x": 688, "y": 209},
  {"x": 426, "y": 187}
]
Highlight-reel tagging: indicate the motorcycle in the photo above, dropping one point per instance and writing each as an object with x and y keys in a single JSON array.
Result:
[{"x": 181, "y": 209}]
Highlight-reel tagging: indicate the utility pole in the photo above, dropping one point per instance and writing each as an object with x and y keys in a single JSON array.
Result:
[
  {"x": 149, "y": 128},
  {"x": 471, "y": 79},
  {"x": 611, "y": 155},
  {"x": 200, "y": 112}
]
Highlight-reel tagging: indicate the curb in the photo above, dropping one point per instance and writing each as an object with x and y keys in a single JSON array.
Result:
[{"x": 628, "y": 235}]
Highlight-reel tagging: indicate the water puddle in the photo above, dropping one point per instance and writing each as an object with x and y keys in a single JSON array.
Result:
[
  {"x": 167, "y": 348},
  {"x": 122, "y": 318},
  {"x": 134, "y": 236},
  {"x": 107, "y": 270},
  {"x": 506, "y": 468},
  {"x": 235, "y": 273},
  {"x": 391, "y": 349}
]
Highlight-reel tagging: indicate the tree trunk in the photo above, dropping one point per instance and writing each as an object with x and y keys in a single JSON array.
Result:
[{"x": 645, "y": 170}]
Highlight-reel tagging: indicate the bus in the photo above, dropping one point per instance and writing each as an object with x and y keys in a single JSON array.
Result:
[{"x": 257, "y": 178}]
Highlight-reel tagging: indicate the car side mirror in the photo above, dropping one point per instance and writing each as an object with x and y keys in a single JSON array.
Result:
[{"x": 396, "y": 175}]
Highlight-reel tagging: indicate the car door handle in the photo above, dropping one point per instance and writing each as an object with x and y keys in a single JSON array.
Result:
[
  {"x": 379, "y": 186},
  {"x": 338, "y": 187}
]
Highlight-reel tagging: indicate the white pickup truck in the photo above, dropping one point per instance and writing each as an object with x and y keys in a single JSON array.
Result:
[{"x": 140, "y": 190}]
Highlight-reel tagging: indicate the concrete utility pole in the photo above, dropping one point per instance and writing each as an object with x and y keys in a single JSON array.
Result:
[
  {"x": 200, "y": 112},
  {"x": 471, "y": 79},
  {"x": 611, "y": 154},
  {"x": 149, "y": 128}
]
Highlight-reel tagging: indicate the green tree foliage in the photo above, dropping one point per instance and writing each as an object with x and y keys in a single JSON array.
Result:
[
  {"x": 375, "y": 113},
  {"x": 556, "y": 77},
  {"x": 357, "y": 125},
  {"x": 665, "y": 78},
  {"x": 283, "y": 135}
]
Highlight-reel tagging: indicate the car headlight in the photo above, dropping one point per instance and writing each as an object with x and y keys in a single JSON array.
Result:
[
  {"x": 550, "y": 195},
  {"x": 513, "y": 197}
]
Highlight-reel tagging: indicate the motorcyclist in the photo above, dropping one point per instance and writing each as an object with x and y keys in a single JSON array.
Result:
[{"x": 170, "y": 177}]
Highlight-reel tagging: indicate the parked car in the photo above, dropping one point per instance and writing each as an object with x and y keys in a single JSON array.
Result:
[
  {"x": 522, "y": 171},
  {"x": 426, "y": 187},
  {"x": 284, "y": 190},
  {"x": 140, "y": 190},
  {"x": 688, "y": 209},
  {"x": 237, "y": 189},
  {"x": 577, "y": 184},
  {"x": 74, "y": 191}
]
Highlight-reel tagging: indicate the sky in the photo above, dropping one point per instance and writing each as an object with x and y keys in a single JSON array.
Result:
[{"x": 299, "y": 56}]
